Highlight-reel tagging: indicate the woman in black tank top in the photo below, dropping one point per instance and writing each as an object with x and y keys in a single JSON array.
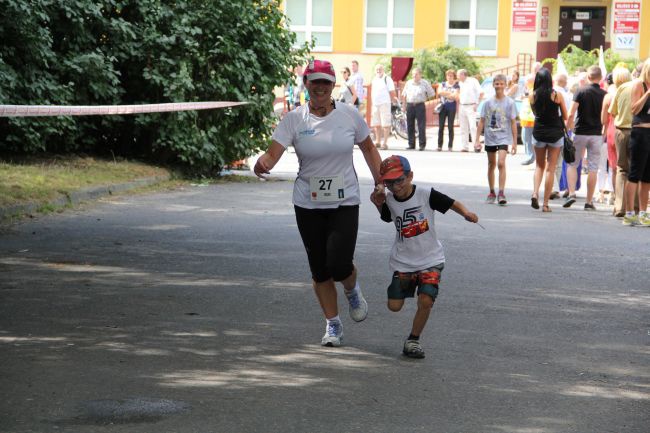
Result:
[
  {"x": 639, "y": 151},
  {"x": 548, "y": 131}
]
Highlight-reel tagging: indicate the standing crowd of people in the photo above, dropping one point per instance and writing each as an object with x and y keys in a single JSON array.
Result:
[
  {"x": 605, "y": 116},
  {"x": 601, "y": 113}
]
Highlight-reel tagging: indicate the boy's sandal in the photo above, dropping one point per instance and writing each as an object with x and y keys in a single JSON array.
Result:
[
  {"x": 534, "y": 202},
  {"x": 546, "y": 208}
]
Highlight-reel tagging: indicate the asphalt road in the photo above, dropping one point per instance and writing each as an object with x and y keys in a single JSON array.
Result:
[{"x": 192, "y": 311}]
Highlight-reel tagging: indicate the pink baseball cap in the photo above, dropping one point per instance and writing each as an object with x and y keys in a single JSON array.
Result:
[{"x": 320, "y": 70}]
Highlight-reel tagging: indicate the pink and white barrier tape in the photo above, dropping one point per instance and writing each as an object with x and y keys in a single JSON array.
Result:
[{"x": 89, "y": 110}]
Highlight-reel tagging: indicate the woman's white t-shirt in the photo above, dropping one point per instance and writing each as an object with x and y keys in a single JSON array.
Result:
[{"x": 324, "y": 145}]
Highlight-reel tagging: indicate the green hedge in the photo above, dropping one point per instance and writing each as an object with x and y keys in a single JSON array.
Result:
[
  {"x": 83, "y": 52},
  {"x": 436, "y": 61}
]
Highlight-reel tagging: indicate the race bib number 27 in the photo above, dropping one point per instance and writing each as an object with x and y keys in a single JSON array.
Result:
[{"x": 326, "y": 188}]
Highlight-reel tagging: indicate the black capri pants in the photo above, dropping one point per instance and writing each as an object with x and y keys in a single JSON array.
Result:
[
  {"x": 639, "y": 155},
  {"x": 329, "y": 236}
]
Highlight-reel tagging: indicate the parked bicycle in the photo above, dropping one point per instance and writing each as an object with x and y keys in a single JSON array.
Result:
[
  {"x": 398, "y": 122},
  {"x": 398, "y": 126}
]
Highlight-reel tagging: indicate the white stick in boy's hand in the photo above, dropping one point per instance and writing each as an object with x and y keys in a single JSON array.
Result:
[{"x": 473, "y": 218}]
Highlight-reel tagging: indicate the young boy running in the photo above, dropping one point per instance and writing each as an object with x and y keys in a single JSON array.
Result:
[
  {"x": 498, "y": 120},
  {"x": 417, "y": 257}
]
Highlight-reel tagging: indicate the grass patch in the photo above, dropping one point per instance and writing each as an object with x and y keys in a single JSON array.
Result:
[
  {"x": 39, "y": 180},
  {"x": 48, "y": 208}
]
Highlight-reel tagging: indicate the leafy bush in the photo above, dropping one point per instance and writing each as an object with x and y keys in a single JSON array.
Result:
[
  {"x": 436, "y": 61},
  {"x": 84, "y": 52},
  {"x": 576, "y": 58}
]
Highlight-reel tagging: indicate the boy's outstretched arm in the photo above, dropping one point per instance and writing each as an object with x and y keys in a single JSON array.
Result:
[{"x": 460, "y": 209}]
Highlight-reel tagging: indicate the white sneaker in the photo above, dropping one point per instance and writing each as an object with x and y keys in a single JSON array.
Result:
[
  {"x": 333, "y": 334},
  {"x": 358, "y": 305},
  {"x": 412, "y": 349}
]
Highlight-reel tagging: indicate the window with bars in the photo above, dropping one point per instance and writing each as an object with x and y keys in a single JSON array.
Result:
[
  {"x": 389, "y": 25},
  {"x": 311, "y": 19},
  {"x": 473, "y": 24}
]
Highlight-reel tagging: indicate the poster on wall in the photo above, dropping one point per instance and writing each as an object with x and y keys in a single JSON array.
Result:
[
  {"x": 524, "y": 16},
  {"x": 625, "y": 42},
  {"x": 626, "y": 17}
]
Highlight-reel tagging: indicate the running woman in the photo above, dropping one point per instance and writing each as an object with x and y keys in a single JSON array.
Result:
[{"x": 326, "y": 192}]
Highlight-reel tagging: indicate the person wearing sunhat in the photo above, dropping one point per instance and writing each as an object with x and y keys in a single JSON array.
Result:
[
  {"x": 326, "y": 193},
  {"x": 416, "y": 258}
]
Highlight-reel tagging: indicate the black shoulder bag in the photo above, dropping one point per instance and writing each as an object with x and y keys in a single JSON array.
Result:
[{"x": 569, "y": 150}]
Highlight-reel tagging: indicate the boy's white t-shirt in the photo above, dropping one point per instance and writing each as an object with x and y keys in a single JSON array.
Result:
[
  {"x": 324, "y": 145},
  {"x": 416, "y": 246}
]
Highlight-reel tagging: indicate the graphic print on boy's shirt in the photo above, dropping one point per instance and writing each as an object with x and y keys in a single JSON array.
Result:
[
  {"x": 498, "y": 115},
  {"x": 497, "y": 120},
  {"x": 411, "y": 223}
]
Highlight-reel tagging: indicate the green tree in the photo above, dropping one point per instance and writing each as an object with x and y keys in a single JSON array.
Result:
[
  {"x": 436, "y": 61},
  {"x": 85, "y": 52}
]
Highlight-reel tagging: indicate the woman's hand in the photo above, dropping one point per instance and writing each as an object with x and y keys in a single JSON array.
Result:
[
  {"x": 267, "y": 161},
  {"x": 263, "y": 166},
  {"x": 378, "y": 196}
]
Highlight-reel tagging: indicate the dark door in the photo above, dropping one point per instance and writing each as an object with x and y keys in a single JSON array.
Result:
[{"x": 583, "y": 27}]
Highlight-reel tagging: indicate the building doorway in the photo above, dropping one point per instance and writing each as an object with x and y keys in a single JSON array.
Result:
[{"x": 583, "y": 27}]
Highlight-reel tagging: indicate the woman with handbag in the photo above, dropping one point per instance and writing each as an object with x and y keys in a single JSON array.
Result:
[
  {"x": 347, "y": 93},
  {"x": 448, "y": 92},
  {"x": 548, "y": 134}
]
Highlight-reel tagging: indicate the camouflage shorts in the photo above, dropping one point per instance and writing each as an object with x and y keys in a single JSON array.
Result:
[{"x": 403, "y": 284}]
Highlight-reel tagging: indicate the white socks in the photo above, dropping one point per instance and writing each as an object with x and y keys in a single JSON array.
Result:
[
  {"x": 334, "y": 319},
  {"x": 356, "y": 288}
]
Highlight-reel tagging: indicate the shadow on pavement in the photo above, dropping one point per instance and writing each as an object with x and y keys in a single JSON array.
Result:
[{"x": 193, "y": 311}]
